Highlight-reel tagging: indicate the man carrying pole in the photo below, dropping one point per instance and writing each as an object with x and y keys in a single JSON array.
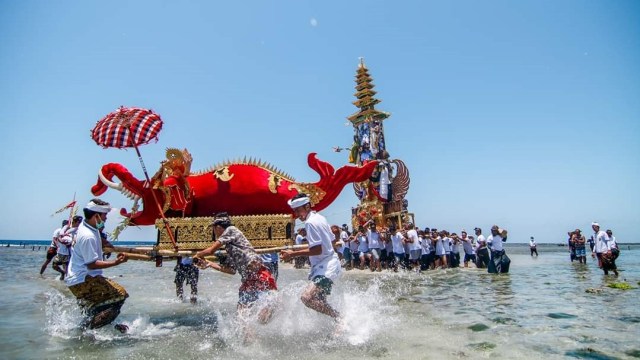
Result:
[
  {"x": 99, "y": 298},
  {"x": 325, "y": 265}
]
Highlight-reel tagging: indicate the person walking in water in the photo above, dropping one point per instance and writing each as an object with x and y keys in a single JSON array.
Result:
[
  {"x": 482, "y": 253},
  {"x": 533, "y": 246},
  {"x": 61, "y": 261},
  {"x": 325, "y": 265},
  {"x": 257, "y": 282},
  {"x": 186, "y": 271},
  {"x": 499, "y": 262},
  {"x": 53, "y": 249},
  {"x": 100, "y": 298},
  {"x": 602, "y": 250},
  {"x": 579, "y": 244}
]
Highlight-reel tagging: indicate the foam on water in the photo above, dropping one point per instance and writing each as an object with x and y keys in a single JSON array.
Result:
[
  {"x": 540, "y": 309},
  {"x": 62, "y": 316}
]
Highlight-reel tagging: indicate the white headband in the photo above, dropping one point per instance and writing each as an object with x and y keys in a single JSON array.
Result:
[
  {"x": 98, "y": 208},
  {"x": 595, "y": 224},
  {"x": 296, "y": 203}
]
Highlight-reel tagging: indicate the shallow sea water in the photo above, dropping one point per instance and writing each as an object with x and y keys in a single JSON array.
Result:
[{"x": 540, "y": 309}]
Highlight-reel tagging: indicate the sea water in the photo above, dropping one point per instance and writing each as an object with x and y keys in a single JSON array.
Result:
[{"x": 546, "y": 307}]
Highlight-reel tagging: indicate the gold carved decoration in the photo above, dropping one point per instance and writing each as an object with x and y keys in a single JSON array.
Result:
[
  {"x": 178, "y": 164},
  {"x": 197, "y": 233},
  {"x": 274, "y": 182},
  {"x": 315, "y": 193},
  {"x": 223, "y": 174}
]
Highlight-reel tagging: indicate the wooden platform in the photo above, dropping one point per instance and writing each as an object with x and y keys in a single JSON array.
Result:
[{"x": 197, "y": 233}]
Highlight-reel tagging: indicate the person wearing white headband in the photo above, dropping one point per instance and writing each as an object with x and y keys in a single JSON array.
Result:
[
  {"x": 100, "y": 298},
  {"x": 325, "y": 265},
  {"x": 602, "y": 249}
]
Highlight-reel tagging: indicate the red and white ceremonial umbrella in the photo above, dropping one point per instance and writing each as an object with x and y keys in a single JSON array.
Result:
[{"x": 130, "y": 128}]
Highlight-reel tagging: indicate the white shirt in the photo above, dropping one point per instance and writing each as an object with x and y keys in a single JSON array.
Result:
[
  {"x": 446, "y": 243},
  {"x": 496, "y": 242},
  {"x": 299, "y": 239},
  {"x": 612, "y": 242},
  {"x": 388, "y": 245},
  {"x": 414, "y": 240},
  {"x": 65, "y": 239},
  {"x": 373, "y": 237},
  {"x": 532, "y": 243},
  {"x": 455, "y": 246},
  {"x": 439, "y": 247},
  {"x": 602, "y": 242},
  {"x": 344, "y": 238},
  {"x": 481, "y": 241},
  {"x": 353, "y": 245},
  {"x": 56, "y": 233},
  {"x": 396, "y": 240},
  {"x": 467, "y": 246},
  {"x": 319, "y": 234},
  {"x": 86, "y": 250},
  {"x": 426, "y": 245},
  {"x": 363, "y": 246}
]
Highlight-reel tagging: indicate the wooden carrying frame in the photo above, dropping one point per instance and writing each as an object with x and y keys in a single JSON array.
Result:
[{"x": 196, "y": 233}]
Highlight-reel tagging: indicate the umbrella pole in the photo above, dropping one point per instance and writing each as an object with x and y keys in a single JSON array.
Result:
[{"x": 155, "y": 198}]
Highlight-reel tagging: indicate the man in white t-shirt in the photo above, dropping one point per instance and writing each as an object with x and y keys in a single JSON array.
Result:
[
  {"x": 437, "y": 239},
  {"x": 397, "y": 241},
  {"x": 100, "y": 298},
  {"x": 346, "y": 250},
  {"x": 52, "y": 250},
  {"x": 325, "y": 265},
  {"x": 413, "y": 242},
  {"x": 63, "y": 243},
  {"x": 482, "y": 252},
  {"x": 373, "y": 240},
  {"x": 602, "y": 249},
  {"x": 364, "y": 254},
  {"x": 533, "y": 246},
  {"x": 498, "y": 263},
  {"x": 467, "y": 246},
  {"x": 446, "y": 244}
]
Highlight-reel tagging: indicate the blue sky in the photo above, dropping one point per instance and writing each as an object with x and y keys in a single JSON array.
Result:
[{"x": 524, "y": 114}]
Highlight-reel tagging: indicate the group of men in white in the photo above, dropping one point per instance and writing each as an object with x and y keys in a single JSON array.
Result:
[{"x": 411, "y": 248}]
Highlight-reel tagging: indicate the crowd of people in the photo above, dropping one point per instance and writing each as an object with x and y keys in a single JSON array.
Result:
[
  {"x": 78, "y": 248},
  {"x": 412, "y": 248},
  {"x": 602, "y": 245},
  {"x": 78, "y": 256}
]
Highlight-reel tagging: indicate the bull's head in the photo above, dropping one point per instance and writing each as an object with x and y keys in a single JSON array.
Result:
[{"x": 132, "y": 188}]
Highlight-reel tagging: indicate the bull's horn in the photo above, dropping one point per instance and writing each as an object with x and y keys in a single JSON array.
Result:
[{"x": 110, "y": 184}]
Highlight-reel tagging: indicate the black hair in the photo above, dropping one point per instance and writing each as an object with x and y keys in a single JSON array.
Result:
[
  {"x": 65, "y": 222},
  {"x": 299, "y": 196},
  {"x": 222, "y": 219}
]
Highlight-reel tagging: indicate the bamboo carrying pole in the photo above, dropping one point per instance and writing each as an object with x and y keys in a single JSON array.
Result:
[{"x": 149, "y": 253}]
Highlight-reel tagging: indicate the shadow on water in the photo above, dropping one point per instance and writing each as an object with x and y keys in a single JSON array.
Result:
[{"x": 589, "y": 353}]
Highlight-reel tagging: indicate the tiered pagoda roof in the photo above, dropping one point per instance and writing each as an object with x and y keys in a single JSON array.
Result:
[{"x": 365, "y": 98}]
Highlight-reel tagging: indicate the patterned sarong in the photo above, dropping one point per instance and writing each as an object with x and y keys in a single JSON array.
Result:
[
  {"x": 97, "y": 292},
  {"x": 499, "y": 262}
]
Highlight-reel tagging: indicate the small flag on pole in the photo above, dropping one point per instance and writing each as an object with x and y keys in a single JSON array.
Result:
[{"x": 68, "y": 206}]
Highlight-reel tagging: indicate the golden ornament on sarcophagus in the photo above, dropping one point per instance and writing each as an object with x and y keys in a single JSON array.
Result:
[{"x": 196, "y": 233}]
